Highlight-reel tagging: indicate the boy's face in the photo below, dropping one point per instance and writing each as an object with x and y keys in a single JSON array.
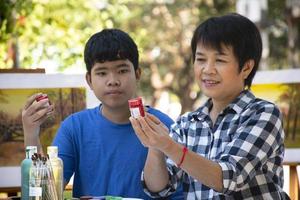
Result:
[
  {"x": 114, "y": 82},
  {"x": 217, "y": 73}
]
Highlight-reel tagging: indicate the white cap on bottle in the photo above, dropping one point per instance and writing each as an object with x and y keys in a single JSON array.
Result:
[
  {"x": 30, "y": 150},
  {"x": 52, "y": 151}
]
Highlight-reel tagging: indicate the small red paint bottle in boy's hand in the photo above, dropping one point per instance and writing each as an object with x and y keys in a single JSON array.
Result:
[
  {"x": 44, "y": 96},
  {"x": 136, "y": 107}
]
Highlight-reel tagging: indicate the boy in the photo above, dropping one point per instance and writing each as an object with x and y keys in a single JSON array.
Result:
[
  {"x": 232, "y": 146},
  {"x": 99, "y": 144}
]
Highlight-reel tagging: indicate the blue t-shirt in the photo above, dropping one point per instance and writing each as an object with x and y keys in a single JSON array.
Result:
[{"x": 107, "y": 158}]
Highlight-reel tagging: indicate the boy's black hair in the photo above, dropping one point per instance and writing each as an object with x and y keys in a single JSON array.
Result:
[
  {"x": 232, "y": 30},
  {"x": 110, "y": 45}
]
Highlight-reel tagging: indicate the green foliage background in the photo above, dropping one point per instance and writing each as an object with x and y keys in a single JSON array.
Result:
[{"x": 53, "y": 32}]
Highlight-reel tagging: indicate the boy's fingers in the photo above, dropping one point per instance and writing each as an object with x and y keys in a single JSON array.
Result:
[
  {"x": 30, "y": 100},
  {"x": 41, "y": 119},
  {"x": 37, "y": 117},
  {"x": 41, "y": 105},
  {"x": 43, "y": 113},
  {"x": 30, "y": 110}
]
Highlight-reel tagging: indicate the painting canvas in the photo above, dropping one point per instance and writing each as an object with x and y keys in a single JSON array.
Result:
[
  {"x": 65, "y": 100},
  {"x": 282, "y": 87},
  {"x": 287, "y": 97}
]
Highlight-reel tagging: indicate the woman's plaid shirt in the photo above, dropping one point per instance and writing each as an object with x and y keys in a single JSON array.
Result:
[{"x": 247, "y": 142}]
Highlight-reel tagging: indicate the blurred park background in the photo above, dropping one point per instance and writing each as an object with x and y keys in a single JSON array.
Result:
[{"x": 51, "y": 34}]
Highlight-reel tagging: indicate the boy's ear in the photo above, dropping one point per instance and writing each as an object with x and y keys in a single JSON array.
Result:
[
  {"x": 247, "y": 68},
  {"x": 88, "y": 79},
  {"x": 138, "y": 73}
]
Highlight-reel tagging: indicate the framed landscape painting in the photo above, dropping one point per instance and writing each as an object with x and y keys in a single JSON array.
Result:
[
  {"x": 66, "y": 102},
  {"x": 68, "y": 93},
  {"x": 282, "y": 87}
]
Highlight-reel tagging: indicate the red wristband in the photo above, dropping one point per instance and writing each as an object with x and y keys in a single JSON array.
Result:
[{"x": 184, "y": 150}]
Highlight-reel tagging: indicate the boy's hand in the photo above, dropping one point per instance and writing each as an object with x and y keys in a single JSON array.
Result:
[
  {"x": 151, "y": 131},
  {"x": 33, "y": 115}
]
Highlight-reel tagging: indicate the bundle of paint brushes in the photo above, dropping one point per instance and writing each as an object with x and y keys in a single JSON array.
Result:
[{"x": 41, "y": 181}]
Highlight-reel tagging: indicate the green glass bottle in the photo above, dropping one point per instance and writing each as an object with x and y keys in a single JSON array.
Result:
[{"x": 25, "y": 169}]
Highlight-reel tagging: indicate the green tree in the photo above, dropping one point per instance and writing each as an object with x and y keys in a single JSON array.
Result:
[
  {"x": 284, "y": 29},
  {"x": 12, "y": 15}
]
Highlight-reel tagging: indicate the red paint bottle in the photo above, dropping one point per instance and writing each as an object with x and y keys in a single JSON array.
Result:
[
  {"x": 136, "y": 107},
  {"x": 44, "y": 96}
]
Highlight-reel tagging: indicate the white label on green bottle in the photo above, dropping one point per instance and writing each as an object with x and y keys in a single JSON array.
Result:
[{"x": 35, "y": 191}]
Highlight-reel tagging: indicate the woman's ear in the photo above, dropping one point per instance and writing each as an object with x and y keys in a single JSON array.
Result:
[
  {"x": 247, "y": 68},
  {"x": 138, "y": 73}
]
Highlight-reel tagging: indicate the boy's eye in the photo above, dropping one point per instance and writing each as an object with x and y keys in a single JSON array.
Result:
[
  {"x": 122, "y": 71},
  {"x": 100, "y": 73}
]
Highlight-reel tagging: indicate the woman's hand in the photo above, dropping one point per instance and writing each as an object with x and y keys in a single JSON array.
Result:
[{"x": 151, "y": 132}]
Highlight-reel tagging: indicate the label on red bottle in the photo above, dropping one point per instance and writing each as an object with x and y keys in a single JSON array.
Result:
[{"x": 136, "y": 107}]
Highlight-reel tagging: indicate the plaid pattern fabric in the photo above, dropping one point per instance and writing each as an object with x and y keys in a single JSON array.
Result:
[{"x": 247, "y": 142}]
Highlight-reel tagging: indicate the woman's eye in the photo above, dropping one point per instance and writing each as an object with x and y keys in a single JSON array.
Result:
[
  {"x": 221, "y": 60},
  {"x": 200, "y": 59}
]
